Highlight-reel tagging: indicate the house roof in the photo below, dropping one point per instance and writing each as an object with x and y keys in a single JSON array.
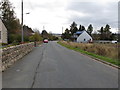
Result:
[{"x": 79, "y": 32}]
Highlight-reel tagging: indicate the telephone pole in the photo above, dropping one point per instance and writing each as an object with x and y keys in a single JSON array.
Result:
[
  {"x": 62, "y": 30},
  {"x": 22, "y": 22},
  {"x": 43, "y": 27}
]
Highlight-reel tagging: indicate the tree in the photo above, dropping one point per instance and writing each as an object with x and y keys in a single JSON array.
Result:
[
  {"x": 107, "y": 28},
  {"x": 7, "y": 12},
  {"x": 101, "y": 31},
  {"x": 90, "y": 29},
  {"x": 95, "y": 36},
  {"x": 73, "y": 28},
  {"x": 36, "y": 37},
  {"x": 45, "y": 34},
  {"x": 73, "y": 25},
  {"x": 14, "y": 38},
  {"x": 107, "y": 32},
  {"x": 52, "y": 37},
  {"x": 8, "y": 17},
  {"x": 82, "y": 28},
  {"x": 66, "y": 34}
]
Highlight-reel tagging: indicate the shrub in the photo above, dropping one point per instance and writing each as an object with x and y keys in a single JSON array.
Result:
[
  {"x": 14, "y": 38},
  {"x": 3, "y": 44},
  {"x": 108, "y": 50},
  {"x": 35, "y": 37}
]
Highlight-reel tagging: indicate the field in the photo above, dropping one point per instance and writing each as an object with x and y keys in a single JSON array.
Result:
[{"x": 107, "y": 52}]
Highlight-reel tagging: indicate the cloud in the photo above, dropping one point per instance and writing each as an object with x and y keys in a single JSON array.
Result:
[
  {"x": 95, "y": 13},
  {"x": 55, "y": 14}
]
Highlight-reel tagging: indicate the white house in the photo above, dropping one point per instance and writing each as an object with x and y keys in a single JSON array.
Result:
[
  {"x": 3, "y": 33},
  {"x": 82, "y": 37}
]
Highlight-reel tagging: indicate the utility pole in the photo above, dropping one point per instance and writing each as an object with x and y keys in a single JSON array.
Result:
[
  {"x": 62, "y": 30},
  {"x": 43, "y": 27},
  {"x": 22, "y": 22}
]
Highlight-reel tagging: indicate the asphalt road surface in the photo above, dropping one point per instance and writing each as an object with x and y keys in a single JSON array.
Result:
[{"x": 54, "y": 66}]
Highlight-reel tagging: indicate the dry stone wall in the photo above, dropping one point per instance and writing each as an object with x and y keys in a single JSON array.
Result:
[{"x": 11, "y": 54}]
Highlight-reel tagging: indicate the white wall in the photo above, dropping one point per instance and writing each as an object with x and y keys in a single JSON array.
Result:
[
  {"x": 0, "y": 31},
  {"x": 3, "y": 30},
  {"x": 83, "y": 36}
]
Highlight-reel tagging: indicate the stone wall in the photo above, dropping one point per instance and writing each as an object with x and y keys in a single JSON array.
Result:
[{"x": 11, "y": 54}]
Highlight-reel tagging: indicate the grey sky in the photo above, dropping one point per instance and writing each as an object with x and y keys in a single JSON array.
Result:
[
  {"x": 95, "y": 13},
  {"x": 55, "y": 14}
]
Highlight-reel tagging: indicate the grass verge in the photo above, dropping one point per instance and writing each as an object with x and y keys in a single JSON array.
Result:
[{"x": 112, "y": 61}]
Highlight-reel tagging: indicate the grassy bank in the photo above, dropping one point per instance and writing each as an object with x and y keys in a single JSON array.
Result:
[{"x": 78, "y": 47}]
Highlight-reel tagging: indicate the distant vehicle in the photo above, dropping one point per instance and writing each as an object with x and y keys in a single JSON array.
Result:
[
  {"x": 45, "y": 40},
  {"x": 114, "y": 41}
]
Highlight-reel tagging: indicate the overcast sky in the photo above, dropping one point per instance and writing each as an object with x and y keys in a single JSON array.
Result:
[{"x": 55, "y": 14}]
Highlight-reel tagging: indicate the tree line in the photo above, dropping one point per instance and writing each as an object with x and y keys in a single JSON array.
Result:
[
  {"x": 103, "y": 34},
  {"x": 12, "y": 23}
]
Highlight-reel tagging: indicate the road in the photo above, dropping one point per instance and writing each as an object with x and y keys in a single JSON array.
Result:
[{"x": 54, "y": 66}]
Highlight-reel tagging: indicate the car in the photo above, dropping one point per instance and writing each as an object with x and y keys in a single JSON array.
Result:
[
  {"x": 113, "y": 41},
  {"x": 45, "y": 40}
]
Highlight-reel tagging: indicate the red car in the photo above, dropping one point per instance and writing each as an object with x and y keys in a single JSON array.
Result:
[{"x": 45, "y": 41}]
